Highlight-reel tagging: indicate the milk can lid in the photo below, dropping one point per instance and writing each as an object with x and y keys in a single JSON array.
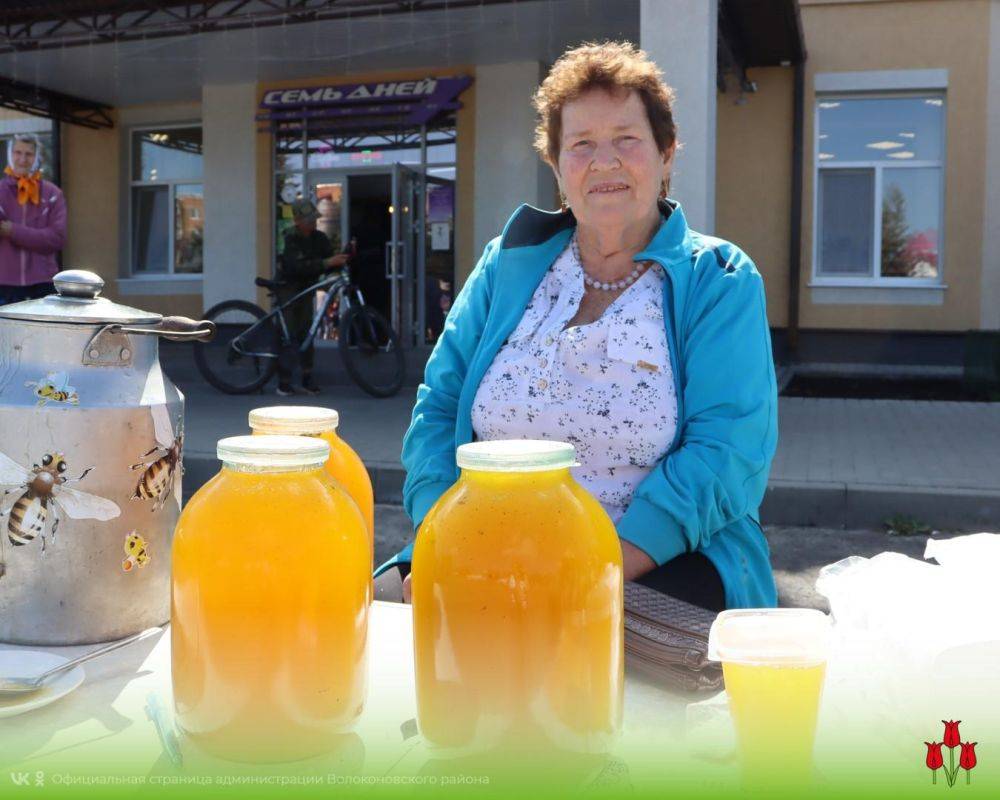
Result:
[
  {"x": 293, "y": 420},
  {"x": 516, "y": 455},
  {"x": 76, "y": 300}
]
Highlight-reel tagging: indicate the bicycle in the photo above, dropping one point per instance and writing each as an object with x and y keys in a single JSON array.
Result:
[{"x": 244, "y": 354}]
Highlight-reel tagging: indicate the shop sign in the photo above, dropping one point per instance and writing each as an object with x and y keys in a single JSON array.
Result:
[{"x": 280, "y": 99}]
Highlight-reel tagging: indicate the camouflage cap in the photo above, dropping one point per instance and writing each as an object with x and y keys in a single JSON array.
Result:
[{"x": 304, "y": 210}]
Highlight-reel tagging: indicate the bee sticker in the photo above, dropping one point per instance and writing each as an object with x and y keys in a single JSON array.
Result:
[
  {"x": 54, "y": 388},
  {"x": 36, "y": 497},
  {"x": 161, "y": 464},
  {"x": 136, "y": 554}
]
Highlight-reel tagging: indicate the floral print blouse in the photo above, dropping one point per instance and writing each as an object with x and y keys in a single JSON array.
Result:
[{"x": 606, "y": 387}]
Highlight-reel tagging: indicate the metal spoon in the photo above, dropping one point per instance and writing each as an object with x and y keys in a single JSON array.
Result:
[{"x": 20, "y": 685}]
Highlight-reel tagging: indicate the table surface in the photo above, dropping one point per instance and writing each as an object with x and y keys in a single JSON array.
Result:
[{"x": 105, "y": 720}]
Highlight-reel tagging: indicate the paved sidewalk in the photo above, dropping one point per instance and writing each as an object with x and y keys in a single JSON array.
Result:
[
  {"x": 840, "y": 463},
  {"x": 852, "y": 463}
]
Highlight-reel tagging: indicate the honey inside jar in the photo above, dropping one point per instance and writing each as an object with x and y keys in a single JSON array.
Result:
[
  {"x": 270, "y": 597},
  {"x": 518, "y": 610},
  {"x": 344, "y": 465}
]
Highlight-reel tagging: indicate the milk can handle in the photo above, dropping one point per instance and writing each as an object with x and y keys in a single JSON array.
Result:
[{"x": 178, "y": 329}]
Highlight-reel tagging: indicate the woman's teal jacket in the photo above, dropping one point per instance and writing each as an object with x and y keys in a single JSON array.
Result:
[{"x": 705, "y": 493}]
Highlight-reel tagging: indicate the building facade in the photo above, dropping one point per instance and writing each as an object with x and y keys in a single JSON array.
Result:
[
  {"x": 851, "y": 147},
  {"x": 898, "y": 205}
]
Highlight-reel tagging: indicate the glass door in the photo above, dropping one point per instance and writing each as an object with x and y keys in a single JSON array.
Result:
[
  {"x": 417, "y": 269},
  {"x": 402, "y": 269},
  {"x": 436, "y": 256},
  {"x": 420, "y": 258},
  {"x": 328, "y": 190}
]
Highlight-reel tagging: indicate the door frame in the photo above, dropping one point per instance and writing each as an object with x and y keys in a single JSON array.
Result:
[
  {"x": 405, "y": 266},
  {"x": 342, "y": 175},
  {"x": 404, "y": 259}
]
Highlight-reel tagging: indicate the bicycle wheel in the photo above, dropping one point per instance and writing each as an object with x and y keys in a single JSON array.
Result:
[
  {"x": 371, "y": 351},
  {"x": 241, "y": 358}
]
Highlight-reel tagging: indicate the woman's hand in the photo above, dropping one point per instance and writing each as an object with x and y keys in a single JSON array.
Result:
[
  {"x": 407, "y": 589},
  {"x": 634, "y": 560}
]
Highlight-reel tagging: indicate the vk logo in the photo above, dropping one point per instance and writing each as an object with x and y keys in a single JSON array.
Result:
[{"x": 24, "y": 778}]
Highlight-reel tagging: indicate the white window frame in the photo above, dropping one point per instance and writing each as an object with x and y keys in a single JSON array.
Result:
[
  {"x": 873, "y": 279},
  {"x": 171, "y": 184}
]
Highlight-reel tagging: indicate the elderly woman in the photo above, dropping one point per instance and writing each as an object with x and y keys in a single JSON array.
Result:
[
  {"x": 612, "y": 325},
  {"x": 32, "y": 224}
]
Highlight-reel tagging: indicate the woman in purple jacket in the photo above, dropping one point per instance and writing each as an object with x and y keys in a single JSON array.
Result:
[{"x": 32, "y": 224}]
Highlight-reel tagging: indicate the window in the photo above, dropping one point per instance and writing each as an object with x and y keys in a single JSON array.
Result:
[
  {"x": 879, "y": 188},
  {"x": 167, "y": 209},
  {"x": 334, "y": 150}
]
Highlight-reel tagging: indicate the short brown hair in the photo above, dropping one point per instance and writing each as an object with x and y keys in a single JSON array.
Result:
[{"x": 614, "y": 67}]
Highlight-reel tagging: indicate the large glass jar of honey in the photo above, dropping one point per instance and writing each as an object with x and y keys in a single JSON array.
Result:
[
  {"x": 269, "y": 604},
  {"x": 517, "y": 607},
  {"x": 344, "y": 465}
]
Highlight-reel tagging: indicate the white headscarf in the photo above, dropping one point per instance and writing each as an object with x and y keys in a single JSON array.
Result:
[{"x": 25, "y": 137}]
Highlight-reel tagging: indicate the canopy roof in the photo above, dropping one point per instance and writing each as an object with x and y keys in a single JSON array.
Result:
[{"x": 111, "y": 38}]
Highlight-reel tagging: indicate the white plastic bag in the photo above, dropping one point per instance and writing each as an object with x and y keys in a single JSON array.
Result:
[{"x": 915, "y": 642}]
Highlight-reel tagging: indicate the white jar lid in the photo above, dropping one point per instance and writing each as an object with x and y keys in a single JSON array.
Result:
[
  {"x": 516, "y": 455},
  {"x": 294, "y": 420},
  {"x": 273, "y": 452}
]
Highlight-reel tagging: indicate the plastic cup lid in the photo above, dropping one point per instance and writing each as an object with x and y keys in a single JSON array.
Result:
[
  {"x": 790, "y": 636},
  {"x": 293, "y": 420},
  {"x": 516, "y": 455},
  {"x": 273, "y": 451}
]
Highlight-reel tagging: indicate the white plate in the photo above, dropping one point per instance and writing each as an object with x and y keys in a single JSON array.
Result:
[{"x": 27, "y": 663}]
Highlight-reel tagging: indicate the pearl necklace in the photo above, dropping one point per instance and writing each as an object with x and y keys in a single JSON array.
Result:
[{"x": 605, "y": 286}]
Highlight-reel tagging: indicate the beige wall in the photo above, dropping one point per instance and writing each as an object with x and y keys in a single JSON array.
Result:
[
  {"x": 465, "y": 175},
  {"x": 753, "y": 188},
  {"x": 754, "y": 176},
  {"x": 990, "y": 292},
  {"x": 93, "y": 162},
  {"x": 753, "y": 169},
  {"x": 95, "y": 183},
  {"x": 916, "y": 34},
  {"x": 90, "y": 173}
]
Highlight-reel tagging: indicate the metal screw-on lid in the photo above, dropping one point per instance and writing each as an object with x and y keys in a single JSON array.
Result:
[{"x": 77, "y": 301}]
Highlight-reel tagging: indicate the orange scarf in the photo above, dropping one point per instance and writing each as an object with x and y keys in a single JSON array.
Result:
[{"x": 28, "y": 186}]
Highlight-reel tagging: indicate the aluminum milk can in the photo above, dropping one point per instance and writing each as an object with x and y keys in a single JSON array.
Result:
[{"x": 91, "y": 446}]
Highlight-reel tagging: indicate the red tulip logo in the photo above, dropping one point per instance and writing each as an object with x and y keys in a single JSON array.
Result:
[
  {"x": 934, "y": 759},
  {"x": 951, "y": 740},
  {"x": 951, "y": 735},
  {"x": 968, "y": 759}
]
